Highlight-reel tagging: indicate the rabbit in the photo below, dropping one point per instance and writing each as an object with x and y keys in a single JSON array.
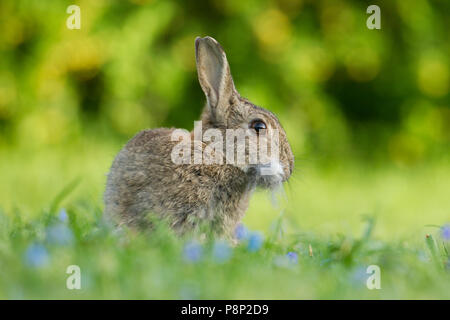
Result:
[{"x": 144, "y": 180}]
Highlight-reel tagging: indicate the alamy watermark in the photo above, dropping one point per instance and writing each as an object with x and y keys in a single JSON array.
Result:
[
  {"x": 374, "y": 280},
  {"x": 74, "y": 280},
  {"x": 74, "y": 20},
  {"x": 241, "y": 147},
  {"x": 374, "y": 20}
]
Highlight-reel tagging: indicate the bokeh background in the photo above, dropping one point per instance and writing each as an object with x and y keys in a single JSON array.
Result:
[{"x": 367, "y": 112}]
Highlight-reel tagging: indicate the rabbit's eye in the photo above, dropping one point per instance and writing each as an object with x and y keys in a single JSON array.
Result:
[{"x": 258, "y": 125}]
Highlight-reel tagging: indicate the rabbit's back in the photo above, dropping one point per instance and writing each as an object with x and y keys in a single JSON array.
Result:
[{"x": 143, "y": 179}]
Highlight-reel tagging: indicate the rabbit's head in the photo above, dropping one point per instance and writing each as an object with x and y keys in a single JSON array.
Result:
[{"x": 226, "y": 109}]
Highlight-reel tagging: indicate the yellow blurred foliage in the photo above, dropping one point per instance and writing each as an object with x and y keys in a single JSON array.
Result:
[
  {"x": 273, "y": 29},
  {"x": 406, "y": 149},
  {"x": 433, "y": 75}
]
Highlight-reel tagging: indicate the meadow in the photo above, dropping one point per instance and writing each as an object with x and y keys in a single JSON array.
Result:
[{"x": 314, "y": 242}]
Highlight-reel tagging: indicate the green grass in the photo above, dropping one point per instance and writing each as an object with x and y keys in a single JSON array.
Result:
[{"x": 351, "y": 217}]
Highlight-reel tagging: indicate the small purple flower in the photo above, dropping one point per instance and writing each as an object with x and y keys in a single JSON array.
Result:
[
  {"x": 255, "y": 241},
  {"x": 192, "y": 251},
  {"x": 292, "y": 257},
  {"x": 36, "y": 256},
  {"x": 446, "y": 232},
  {"x": 221, "y": 251},
  {"x": 241, "y": 232},
  {"x": 59, "y": 234},
  {"x": 62, "y": 215}
]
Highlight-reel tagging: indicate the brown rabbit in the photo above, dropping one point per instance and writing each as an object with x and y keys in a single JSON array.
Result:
[{"x": 145, "y": 180}]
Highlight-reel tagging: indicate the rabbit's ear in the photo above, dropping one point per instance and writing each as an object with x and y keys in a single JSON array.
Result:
[{"x": 214, "y": 75}]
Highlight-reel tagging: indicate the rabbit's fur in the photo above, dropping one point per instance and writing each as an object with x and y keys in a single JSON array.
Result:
[{"x": 144, "y": 180}]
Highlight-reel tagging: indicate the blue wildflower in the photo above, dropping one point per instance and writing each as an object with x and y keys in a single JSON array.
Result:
[
  {"x": 255, "y": 241},
  {"x": 241, "y": 232},
  {"x": 221, "y": 251},
  {"x": 59, "y": 234},
  {"x": 358, "y": 276},
  {"x": 62, "y": 215},
  {"x": 189, "y": 291},
  {"x": 446, "y": 232},
  {"x": 36, "y": 256},
  {"x": 193, "y": 251},
  {"x": 292, "y": 257},
  {"x": 422, "y": 256},
  {"x": 287, "y": 260}
]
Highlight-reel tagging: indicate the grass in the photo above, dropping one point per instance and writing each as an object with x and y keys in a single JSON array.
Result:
[{"x": 334, "y": 223}]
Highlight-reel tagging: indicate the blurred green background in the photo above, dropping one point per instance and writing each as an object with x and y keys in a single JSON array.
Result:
[{"x": 367, "y": 112}]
